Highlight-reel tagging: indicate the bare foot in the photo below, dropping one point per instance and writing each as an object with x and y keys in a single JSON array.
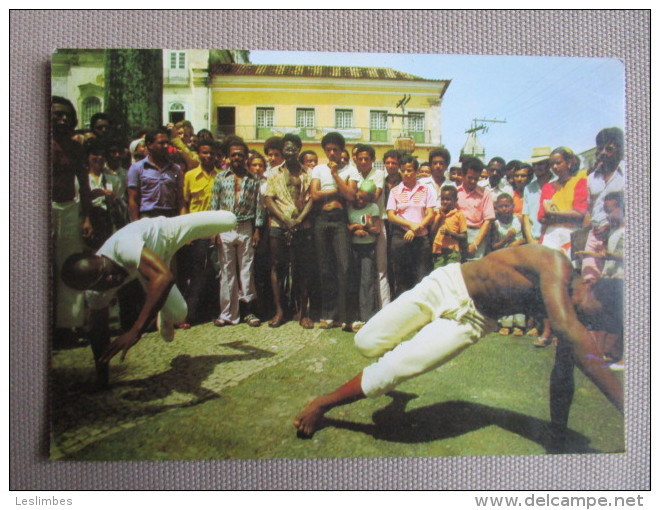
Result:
[
  {"x": 308, "y": 421},
  {"x": 276, "y": 321},
  {"x": 307, "y": 323}
]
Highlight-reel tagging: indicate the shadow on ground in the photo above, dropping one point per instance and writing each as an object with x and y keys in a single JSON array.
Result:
[
  {"x": 77, "y": 403},
  {"x": 455, "y": 418}
]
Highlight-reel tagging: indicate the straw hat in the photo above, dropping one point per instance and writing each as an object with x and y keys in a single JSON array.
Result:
[{"x": 539, "y": 154}]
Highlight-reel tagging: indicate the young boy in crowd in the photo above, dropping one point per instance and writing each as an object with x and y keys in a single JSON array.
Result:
[
  {"x": 610, "y": 340},
  {"x": 507, "y": 232},
  {"x": 456, "y": 175},
  {"x": 451, "y": 229},
  {"x": 364, "y": 224}
]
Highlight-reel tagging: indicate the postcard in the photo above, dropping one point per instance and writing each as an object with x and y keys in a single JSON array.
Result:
[{"x": 264, "y": 254}]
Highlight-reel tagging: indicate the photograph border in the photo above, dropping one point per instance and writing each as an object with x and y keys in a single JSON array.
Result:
[{"x": 619, "y": 34}]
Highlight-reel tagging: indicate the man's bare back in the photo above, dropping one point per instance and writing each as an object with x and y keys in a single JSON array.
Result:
[
  {"x": 510, "y": 281},
  {"x": 523, "y": 279}
]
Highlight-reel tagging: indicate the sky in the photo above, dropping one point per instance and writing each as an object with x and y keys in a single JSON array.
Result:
[{"x": 546, "y": 101}]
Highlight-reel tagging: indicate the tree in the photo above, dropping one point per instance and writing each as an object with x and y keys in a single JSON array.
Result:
[{"x": 134, "y": 89}]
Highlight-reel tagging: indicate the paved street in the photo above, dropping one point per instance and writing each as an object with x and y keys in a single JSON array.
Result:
[
  {"x": 158, "y": 376},
  {"x": 232, "y": 392}
]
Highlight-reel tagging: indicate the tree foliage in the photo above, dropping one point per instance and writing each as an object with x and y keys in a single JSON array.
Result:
[{"x": 134, "y": 88}]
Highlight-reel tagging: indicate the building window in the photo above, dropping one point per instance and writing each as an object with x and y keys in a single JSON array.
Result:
[
  {"x": 378, "y": 126},
  {"x": 177, "y": 60},
  {"x": 90, "y": 106},
  {"x": 343, "y": 119},
  {"x": 177, "y": 113},
  {"x": 265, "y": 118},
  {"x": 305, "y": 122},
  {"x": 305, "y": 117},
  {"x": 416, "y": 126}
]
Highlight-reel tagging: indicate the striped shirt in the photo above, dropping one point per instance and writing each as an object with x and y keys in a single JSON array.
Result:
[
  {"x": 249, "y": 205},
  {"x": 411, "y": 203}
]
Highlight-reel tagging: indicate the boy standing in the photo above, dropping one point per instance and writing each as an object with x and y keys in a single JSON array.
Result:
[
  {"x": 451, "y": 229},
  {"x": 507, "y": 233},
  {"x": 365, "y": 226}
]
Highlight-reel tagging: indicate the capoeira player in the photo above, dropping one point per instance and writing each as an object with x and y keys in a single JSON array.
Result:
[
  {"x": 456, "y": 305},
  {"x": 142, "y": 249}
]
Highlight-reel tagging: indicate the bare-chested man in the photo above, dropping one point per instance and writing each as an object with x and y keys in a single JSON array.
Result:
[
  {"x": 288, "y": 200},
  {"x": 456, "y": 305},
  {"x": 70, "y": 218}
]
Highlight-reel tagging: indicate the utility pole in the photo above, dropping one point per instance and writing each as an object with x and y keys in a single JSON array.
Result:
[
  {"x": 472, "y": 145},
  {"x": 404, "y": 142}
]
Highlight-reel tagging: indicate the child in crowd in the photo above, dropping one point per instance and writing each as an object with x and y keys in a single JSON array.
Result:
[
  {"x": 507, "y": 232},
  {"x": 364, "y": 224},
  {"x": 611, "y": 340},
  {"x": 451, "y": 229},
  {"x": 456, "y": 175}
]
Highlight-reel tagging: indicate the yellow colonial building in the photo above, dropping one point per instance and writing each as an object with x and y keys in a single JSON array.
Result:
[
  {"x": 256, "y": 102},
  {"x": 221, "y": 91}
]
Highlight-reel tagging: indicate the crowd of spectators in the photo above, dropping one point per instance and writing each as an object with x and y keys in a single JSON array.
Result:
[{"x": 332, "y": 242}]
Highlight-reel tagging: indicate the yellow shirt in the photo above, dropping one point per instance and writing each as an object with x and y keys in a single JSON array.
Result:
[
  {"x": 197, "y": 187},
  {"x": 454, "y": 221}
]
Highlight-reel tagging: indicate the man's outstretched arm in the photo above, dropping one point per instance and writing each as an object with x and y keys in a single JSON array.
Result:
[
  {"x": 563, "y": 319},
  {"x": 159, "y": 280}
]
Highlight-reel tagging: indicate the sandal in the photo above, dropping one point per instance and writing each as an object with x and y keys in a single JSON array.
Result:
[
  {"x": 328, "y": 324},
  {"x": 183, "y": 325},
  {"x": 504, "y": 331},
  {"x": 275, "y": 322},
  {"x": 252, "y": 320},
  {"x": 541, "y": 341},
  {"x": 306, "y": 323},
  {"x": 218, "y": 323}
]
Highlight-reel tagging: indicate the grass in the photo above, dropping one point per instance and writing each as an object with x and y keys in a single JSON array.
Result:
[{"x": 490, "y": 400}]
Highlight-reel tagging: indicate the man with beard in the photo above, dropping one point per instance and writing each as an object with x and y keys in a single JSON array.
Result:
[
  {"x": 289, "y": 202},
  {"x": 238, "y": 191},
  {"x": 155, "y": 184}
]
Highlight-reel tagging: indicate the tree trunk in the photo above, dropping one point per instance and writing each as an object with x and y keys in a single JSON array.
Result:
[{"x": 134, "y": 89}]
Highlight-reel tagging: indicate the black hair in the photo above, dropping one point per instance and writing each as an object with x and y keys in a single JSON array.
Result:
[
  {"x": 616, "y": 196},
  {"x": 497, "y": 159},
  {"x": 71, "y": 274},
  {"x": 151, "y": 134},
  {"x": 295, "y": 139},
  {"x": 274, "y": 142},
  {"x": 472, "y": 163},
  {"x": 514, "y": 165},
  {"x": 335, "y": 139},
  {"x": 363, "y": 147},
  {"x": 568, "y": 155},
  {"x": 410, "y": 159},
  {"x": 392, "y": 153},
  {"x": 99, "y": 116},
  {"x": 611, "y": 134},
  {"x": 234, "y": 141},
  {"x": 440, "y": 152},
  {"x": 66, "y": 102},
  {"x": 301, "y": 158},
  {"x": 452, "y": 189}
]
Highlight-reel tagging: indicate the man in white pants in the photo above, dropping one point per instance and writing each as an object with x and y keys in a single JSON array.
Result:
[
  {"x": 456, "y": 305},
  {"x": 142, "y": 249}
]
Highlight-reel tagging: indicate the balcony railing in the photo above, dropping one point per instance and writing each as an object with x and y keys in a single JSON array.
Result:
[
  {"x": 176, "y": 77},
  {"x": 352, "y": 135}
]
